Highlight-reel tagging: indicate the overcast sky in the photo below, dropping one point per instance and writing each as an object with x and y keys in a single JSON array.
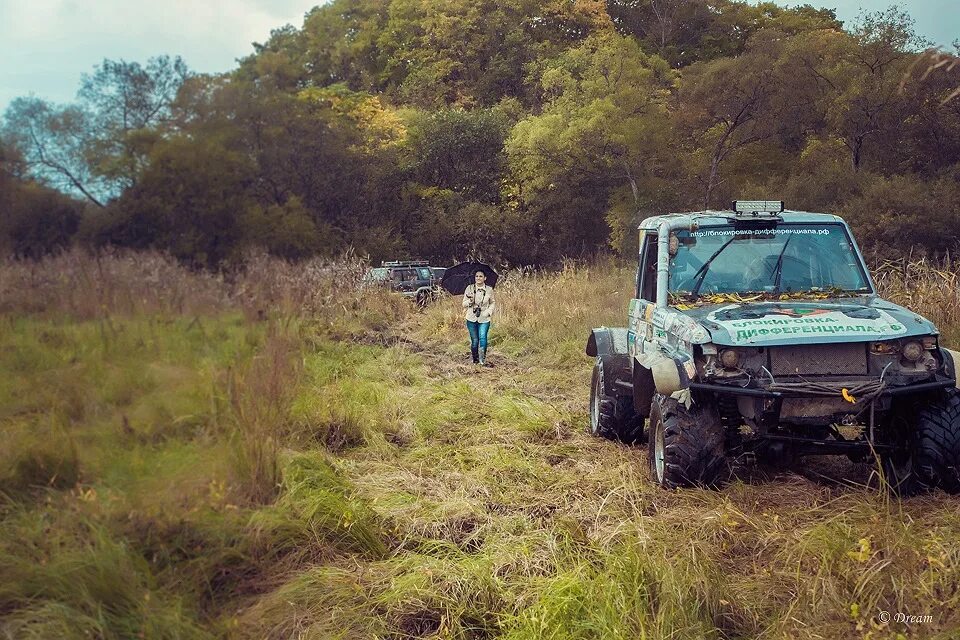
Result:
[{"x": 45, "y": 45}]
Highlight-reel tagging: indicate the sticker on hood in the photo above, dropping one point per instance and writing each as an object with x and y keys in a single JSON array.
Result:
[{"x": 787, "y": 321}]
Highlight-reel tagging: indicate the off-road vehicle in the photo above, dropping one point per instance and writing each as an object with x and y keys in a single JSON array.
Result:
[
  {"x": 758, "y": 332},
  {"x": 414, "y": 279}
]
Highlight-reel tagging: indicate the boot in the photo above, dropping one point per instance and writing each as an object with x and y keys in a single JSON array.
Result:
[
  {"x": 475, "y": 354},
  {"x": 483, "y": 356}
]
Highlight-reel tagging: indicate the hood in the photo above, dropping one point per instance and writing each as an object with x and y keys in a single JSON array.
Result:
[{"x": 860, "y": 319}]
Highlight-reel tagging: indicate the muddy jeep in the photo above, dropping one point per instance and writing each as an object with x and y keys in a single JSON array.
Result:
[{"x": 757, "y": 332}]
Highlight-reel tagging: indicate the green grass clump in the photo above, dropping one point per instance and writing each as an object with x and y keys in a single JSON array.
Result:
[
  {"x": 348, "y": 396},
  {"x": 82, "y": 583},
  {"x": 445, "y": 593},
  {"x": 36, "y": 457},
  {"x": 316, "y": 511},
  {"x": 46, "y": 465},
  {"x": 629, "y": 595},
  {"x": 316, "y": 603}
]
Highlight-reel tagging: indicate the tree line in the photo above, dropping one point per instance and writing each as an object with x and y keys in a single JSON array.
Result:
[{"x": 521, "y": 131}]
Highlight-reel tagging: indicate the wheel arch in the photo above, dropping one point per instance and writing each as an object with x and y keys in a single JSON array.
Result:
[
  {"x": 950, "y": 360},
  {"x": 607, "y": 340},
  {"x": 609, "y": 346}
]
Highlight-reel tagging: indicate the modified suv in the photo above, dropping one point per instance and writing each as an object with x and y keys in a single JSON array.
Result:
[
  {"x": 757, "y": 332},
  {"x": 414, "y": 279}
]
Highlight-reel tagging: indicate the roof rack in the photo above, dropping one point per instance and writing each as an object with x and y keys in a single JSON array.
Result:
[{"x": 405, "y": 263}]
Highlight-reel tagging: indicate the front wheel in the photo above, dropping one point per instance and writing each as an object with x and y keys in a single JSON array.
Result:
[
  {"x": 686, "y": 446},
  {"x": 612, "y": 416},
  {"x": 931, "y": 455}
]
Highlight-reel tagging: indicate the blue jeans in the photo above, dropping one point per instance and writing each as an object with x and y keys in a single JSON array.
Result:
[{"x": 478, "y": 334}]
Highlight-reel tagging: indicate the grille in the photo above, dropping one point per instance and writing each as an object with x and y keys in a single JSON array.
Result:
[{"x": 819, "y": 360}]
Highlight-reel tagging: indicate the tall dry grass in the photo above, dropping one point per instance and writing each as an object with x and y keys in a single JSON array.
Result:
[
  {"x": 928, "y": 287},
  {"x": 82, "y": 286},
  {"x": 258, "y": 395}
]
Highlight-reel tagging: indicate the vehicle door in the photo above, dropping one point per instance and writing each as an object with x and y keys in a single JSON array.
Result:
[{"x": 640, "y": 330}]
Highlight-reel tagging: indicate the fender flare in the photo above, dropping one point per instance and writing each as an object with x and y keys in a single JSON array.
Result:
[
  {"x": 607, "y": 340},
  {"x": 609, "y": 346},
  {"x": 950, "y": 360}
]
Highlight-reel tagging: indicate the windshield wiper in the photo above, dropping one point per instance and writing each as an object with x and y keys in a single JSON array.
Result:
[
  {"x": 779, "y": 267},
  {"x": 701, "y": 273}
]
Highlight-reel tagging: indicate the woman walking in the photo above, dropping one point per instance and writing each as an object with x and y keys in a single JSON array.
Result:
[{"x": 479, "y": 303}]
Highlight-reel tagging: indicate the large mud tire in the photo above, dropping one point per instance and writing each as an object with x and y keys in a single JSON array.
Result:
[
  {"x": 932, "y": 455},
  {"x": 612, "y": 416},
  {"x": 686, "y": 446}
]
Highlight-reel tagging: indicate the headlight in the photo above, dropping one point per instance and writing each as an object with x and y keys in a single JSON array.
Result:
[
  {"x": 912, "y": 351},
  {"x": 729, "y": 358},
  {"x": 884, "y": 348}
]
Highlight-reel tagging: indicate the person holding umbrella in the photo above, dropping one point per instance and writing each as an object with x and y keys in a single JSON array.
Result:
[{"x": 478, "y": 301}]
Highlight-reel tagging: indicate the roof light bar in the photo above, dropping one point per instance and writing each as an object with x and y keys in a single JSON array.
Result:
[
  {"x": 405, "y": 263},
  {"x": 757, "y": 207}
]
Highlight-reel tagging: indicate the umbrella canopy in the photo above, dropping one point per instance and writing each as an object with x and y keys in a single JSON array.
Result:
[{"x": 458, "y": 278}]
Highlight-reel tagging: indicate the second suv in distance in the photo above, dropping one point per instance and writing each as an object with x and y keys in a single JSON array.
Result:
[{"x": 414, "y": 279}]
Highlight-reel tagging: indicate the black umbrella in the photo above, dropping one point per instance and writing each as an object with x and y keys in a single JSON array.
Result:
[{"x": 458, "y": 278}]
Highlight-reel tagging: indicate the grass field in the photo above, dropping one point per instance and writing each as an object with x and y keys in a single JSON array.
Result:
[{"x": 287, "y": 456}]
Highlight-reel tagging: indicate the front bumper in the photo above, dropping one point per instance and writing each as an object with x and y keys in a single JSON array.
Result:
[
  {"x": 794, "y": 418},
  {"x": 941, "y": 382}
]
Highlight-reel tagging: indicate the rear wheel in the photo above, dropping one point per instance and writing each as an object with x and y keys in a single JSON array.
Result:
[
  {"x": 686, "y": 446},
  {"x": 612, "y": 416}
]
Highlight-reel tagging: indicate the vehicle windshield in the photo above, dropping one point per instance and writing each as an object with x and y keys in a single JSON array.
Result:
[{"x": 786, "y": 259}]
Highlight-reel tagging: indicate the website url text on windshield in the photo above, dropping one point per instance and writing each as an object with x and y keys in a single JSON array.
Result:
[{"x": 703, "y": 233}]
